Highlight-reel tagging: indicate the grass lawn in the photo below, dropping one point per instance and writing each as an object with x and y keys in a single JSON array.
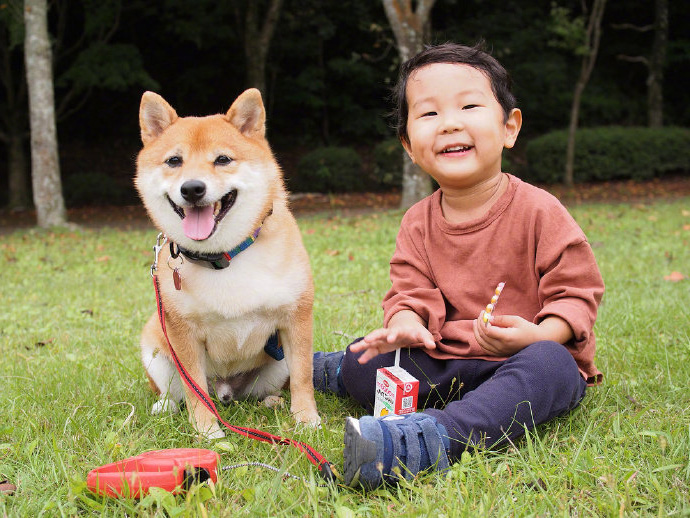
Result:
[{"x": 73, "y": 394}]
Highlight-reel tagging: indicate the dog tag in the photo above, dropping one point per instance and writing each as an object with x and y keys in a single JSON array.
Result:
[{"x": 177, "y": 279}]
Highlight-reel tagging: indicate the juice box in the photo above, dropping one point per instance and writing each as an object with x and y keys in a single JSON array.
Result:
[{"x": 396, "y": 392}]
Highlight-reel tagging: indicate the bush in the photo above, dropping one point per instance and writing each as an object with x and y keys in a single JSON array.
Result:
[
  {"x": 388, "y": 164},
  {"x": 610, "y": 153},
  {"x": 84, "y": 189},
  {"x": 329, "y": 169}
]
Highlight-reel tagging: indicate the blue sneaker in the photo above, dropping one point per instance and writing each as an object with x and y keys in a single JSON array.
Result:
[
  {"x": 327, "y": 376},
  {"x": 383, "y": 450}
]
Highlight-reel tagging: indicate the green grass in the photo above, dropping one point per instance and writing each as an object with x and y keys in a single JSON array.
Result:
[{"x": 73, "y": 394}]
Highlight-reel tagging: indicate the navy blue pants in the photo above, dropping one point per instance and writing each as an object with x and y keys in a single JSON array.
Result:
[{"x": 480, "y": 402}]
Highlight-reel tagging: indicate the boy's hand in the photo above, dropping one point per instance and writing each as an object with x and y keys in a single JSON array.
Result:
[
  {"x": 505, "y": 335},
  {"x": 401, "y": 333}
]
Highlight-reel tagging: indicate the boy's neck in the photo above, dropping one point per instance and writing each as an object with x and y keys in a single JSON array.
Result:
[{"x": 462, "y": 205}]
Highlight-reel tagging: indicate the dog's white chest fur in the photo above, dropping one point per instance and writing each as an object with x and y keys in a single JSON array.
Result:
[
  {"x": 237, "y": 308},
  {"x": 250, "y": 284}
]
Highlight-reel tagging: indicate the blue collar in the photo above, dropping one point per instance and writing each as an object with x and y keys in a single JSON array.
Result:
[{"x": 218, "y": 261}]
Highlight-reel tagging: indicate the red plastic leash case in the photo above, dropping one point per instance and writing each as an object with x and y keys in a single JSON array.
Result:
[{"x": 171, "y": 469}]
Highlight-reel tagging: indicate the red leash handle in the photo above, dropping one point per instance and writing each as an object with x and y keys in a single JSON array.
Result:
[
  {"x": 325, "y": 468},
  {"x": 171, "y": 470}
]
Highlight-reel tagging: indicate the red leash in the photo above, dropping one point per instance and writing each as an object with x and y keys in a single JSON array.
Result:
[{"x": 325, "y": 468}]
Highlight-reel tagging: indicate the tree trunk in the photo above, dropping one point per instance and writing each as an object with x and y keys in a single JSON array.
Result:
[
  {"x": 593, "y": 38},
  {"x": 13, "y": 116},
  {"x": 416, "y": 184},
  {"x": 325, "y": 116},
  {"x": 257, "y": 41},
  {"x": 45, "y": 167},
  {"x": 655, "y": 80},
  {"x": 572, "y": 131},
  {"x": 19, "y": 196},
  {"x": 411, "y": 28}
]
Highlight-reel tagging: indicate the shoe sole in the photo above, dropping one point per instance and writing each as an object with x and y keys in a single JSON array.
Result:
[{"x": 358, "y": 451}]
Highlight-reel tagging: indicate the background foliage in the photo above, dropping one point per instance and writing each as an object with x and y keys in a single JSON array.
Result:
[
  {"x": 329, "y": 70},
  {"x": 610, "y": 153}
]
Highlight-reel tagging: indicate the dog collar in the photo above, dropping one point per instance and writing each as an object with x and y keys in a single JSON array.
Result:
[{"x": 217, "y": 261}]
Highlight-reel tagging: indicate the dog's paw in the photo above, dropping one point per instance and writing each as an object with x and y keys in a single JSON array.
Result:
[
  {"x": 212, "y": 433},
  {"x": 273, "y": 401},
  {"x": 218, "y": 434},
  {"x": 309, "y": 418},
  {"x": 165, "y": 404}
]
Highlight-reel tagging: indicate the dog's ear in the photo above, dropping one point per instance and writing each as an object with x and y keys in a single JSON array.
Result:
[
  {"x": 155, "y": 115},
  {"x": 247, "y": 113}
]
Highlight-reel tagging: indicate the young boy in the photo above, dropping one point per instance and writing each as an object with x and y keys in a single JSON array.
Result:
[{"x": 481, "y": 384}]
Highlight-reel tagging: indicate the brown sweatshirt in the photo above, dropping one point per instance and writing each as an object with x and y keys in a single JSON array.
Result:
[{"x": 447, "y": 273}]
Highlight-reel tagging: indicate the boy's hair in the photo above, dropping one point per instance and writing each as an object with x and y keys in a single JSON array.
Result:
[{"x": 452, "y": 53}]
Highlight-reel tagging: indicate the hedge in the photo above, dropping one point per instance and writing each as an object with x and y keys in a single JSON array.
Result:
[
  {"x": 388, "y": 164},
  {"x": 610, "y": 153},
  {"x": 329, "y": 169},
  {"x": 82, "y": 189}
]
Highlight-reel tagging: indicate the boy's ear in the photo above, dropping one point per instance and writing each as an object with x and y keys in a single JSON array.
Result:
[
  {"x": 513, "y": 125},
  {"x": 408, "y": 149}
]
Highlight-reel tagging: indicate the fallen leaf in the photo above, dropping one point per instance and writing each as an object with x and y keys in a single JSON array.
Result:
[
  {"x": 539, "y": 483},
  {"x": 7, "y": 488},
  {"x": 332, "y": 253},
  {"x": 633, "y": 400},
  {"x": 674, "y": 277},
  {"x": 103, "y": 259}
]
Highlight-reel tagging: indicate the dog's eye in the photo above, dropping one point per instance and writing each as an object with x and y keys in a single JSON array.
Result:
[
  {"x": 222, "y": 160},
  {"x": 174, "y": 161}
]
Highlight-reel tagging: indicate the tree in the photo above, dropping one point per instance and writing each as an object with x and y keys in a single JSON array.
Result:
[
  {"x": 257, "y": 32},
  {"x": 583, "y": 41},
  {"x": 328, "y": 76},
  {"x": 211, "y": 25},
  {"x": 411, "y": 28},
  {"x": 13, "y": 119},
  {"x": 45, "y": 166},
  {"x": 85, "y": 58},
  {"x": 654, "y": 62},
  {"x": 83, "y": 61}
]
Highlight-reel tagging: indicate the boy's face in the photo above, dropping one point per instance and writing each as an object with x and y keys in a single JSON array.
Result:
[{"x": 455, "y": 125}]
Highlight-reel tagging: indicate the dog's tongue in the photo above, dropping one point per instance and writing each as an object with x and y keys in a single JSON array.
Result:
[{"x": 198, "y": 222}]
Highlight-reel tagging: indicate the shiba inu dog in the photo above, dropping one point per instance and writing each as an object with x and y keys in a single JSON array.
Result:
[{"x": 235, "y": 281}]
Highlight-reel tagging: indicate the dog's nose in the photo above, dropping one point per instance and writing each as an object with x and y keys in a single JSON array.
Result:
[{"x": 193, "y": 190}]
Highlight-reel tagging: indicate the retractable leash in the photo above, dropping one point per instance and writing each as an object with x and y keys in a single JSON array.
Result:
[
  {"x": 174, "y": 470},
  {"x": 326, "y": 469}
]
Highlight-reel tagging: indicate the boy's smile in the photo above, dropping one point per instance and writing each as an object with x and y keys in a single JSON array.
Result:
[{"x": 456, "y": 126}]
